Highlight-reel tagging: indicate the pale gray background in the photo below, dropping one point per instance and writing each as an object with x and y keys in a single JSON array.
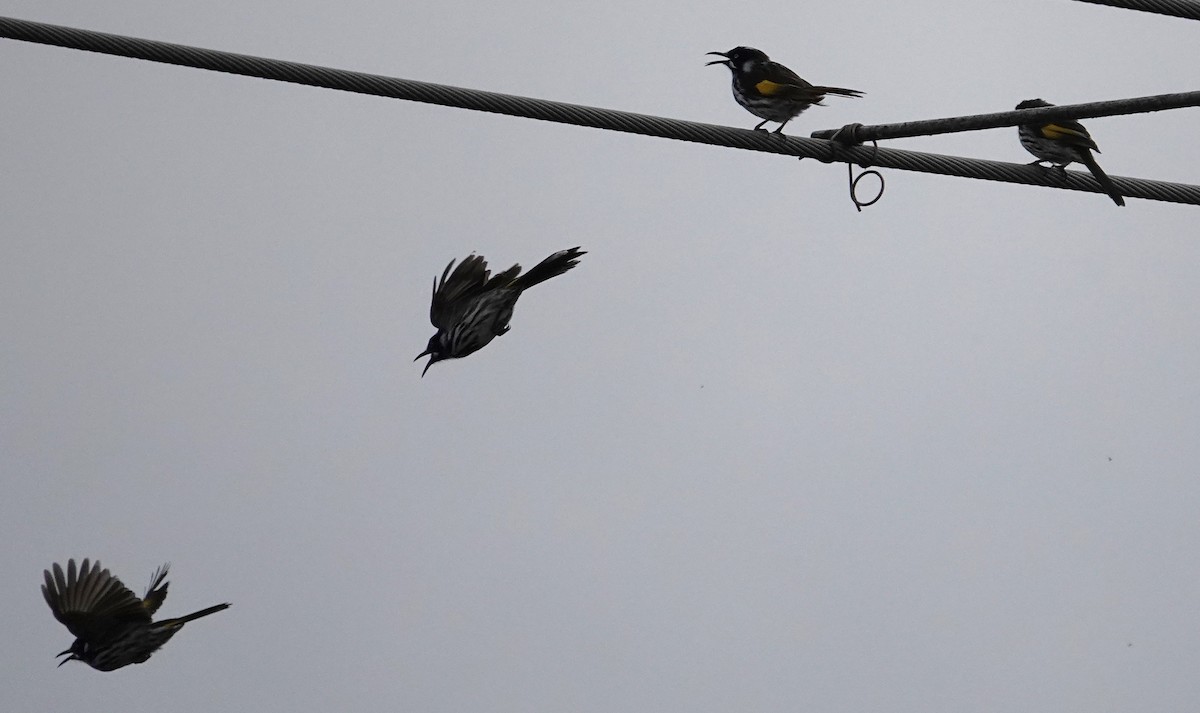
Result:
[{"x": 757, "y": 453}]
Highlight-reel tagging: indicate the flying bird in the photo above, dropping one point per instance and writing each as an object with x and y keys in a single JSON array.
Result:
[
  {"x": 769, "y": 90},
  {"x": 1063, "y": 142},
  {"x": 470, "y": 308},
  {"x": 112, "y": 626}
]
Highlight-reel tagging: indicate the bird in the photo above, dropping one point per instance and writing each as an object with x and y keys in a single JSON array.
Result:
[
  {"x": 1063, "y": 142},
  {"x": 470, "y": 308},
  {"x": 769, "y": 90},
  {"x": 112, "y": 626}
]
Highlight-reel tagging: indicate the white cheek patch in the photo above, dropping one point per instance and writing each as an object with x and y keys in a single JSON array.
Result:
[{"x": 747, "y": 65}]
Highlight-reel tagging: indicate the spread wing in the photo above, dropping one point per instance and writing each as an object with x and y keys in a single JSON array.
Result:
[
  {"x": 157, "y": 591},
  {"x": 90, "y": 602},
  {"x": 456, "y": 289}
]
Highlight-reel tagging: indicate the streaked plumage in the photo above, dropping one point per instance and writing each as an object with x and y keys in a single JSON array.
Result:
[
  {"x": 112, "y": 626},
  {"x": 769, "y": 90},
  {"x": 1064, "y": 142},
  {"x": 470, "y": 307}
]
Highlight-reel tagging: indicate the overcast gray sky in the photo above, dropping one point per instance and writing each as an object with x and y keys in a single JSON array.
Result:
[{"x": 758, "y": 452}]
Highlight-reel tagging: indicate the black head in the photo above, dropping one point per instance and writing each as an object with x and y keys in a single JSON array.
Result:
[
  {"x": 75, "y": 653},
  {"x": 740, "y": 58},
  {"x": 1033, "y": 104},
  {"x": 433, "y": 350}
]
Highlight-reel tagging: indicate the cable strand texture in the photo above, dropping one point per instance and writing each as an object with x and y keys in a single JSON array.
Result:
[
  {"x": 545, "y": 110},
  {"x": 1187, "y": 9}
]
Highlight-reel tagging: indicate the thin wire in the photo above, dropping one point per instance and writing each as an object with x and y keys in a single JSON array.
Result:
[
  {"x": 1188, "y": 9},
  {"x": 859, "y": 204},
  {"x": 608, "y": 119},
  {"x": 858, "y": 133}
]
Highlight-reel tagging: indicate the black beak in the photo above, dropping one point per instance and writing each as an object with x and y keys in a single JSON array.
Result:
[
  {"x": 428, "y": 353},
  {"x": 717, "y": 61},
  {"x": 60, "y": 663}
]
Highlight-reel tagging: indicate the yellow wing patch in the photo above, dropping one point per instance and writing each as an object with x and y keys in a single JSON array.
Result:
[
  {"x": 1054, "y": 131},
  {"x": 766, "y": 87}
]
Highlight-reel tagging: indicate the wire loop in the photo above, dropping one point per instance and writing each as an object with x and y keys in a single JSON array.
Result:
[{"x": 858, "y": 204}]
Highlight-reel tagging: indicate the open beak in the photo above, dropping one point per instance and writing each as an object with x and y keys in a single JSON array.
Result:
[
  {"x": 717, "y": 61},
  {"x": 60, "y": 663},
  {"x": 428, "y": 353}
]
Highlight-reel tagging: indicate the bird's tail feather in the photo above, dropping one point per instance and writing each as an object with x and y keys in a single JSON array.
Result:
[
  {"x": 555, "y": 265},
  {"x": 194, "y": 615},
  {"x": 1101, "y": 177},
  {"x": 839, "y": 91}
]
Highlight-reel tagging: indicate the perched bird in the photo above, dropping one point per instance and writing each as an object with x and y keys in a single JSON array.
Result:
[
  {"x": 470, "y": 308},
  {"x": 111, "y": 625},
  {"x": 769, "y": 90},
  {"x": 1062, "y": 142}
]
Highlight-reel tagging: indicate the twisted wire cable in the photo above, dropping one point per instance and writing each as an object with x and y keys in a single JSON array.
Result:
[
  {"x": 1013, "y": 173},
  {"x": 857, "y": 133},
  {"x": 578, "y": 115},
  {"x": 1187, "y": 9}
]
